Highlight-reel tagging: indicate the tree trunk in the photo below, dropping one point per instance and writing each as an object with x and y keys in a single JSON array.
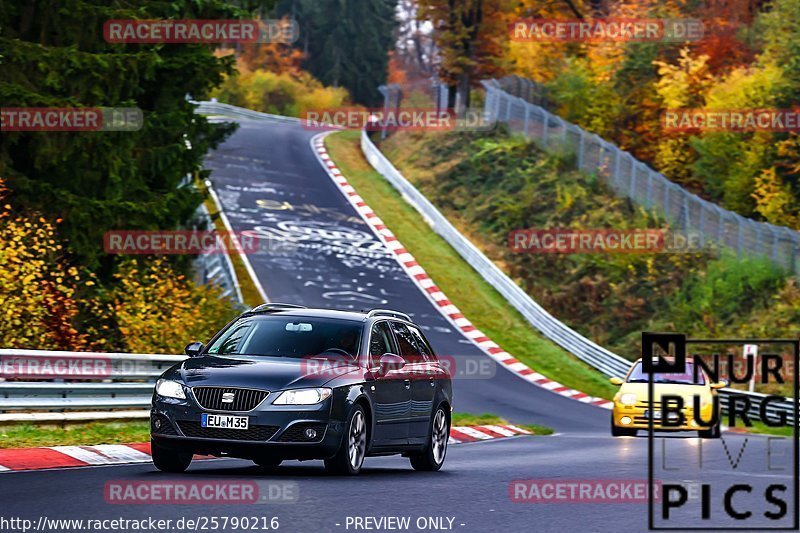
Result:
[{"x": 463, "y": 94}]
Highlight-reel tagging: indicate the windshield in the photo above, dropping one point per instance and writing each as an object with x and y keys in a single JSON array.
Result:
[
  {"x": 277, "y": 336},
  {"x": 638, "y": 375}
]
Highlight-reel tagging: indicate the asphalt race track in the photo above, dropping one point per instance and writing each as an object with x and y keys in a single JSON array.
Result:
[{"x": 320, "y": 253}]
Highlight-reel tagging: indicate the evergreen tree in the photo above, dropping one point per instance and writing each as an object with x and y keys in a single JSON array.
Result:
[
  {"x": 55, "y": 55},
  {"x": 346, "y": 42}
]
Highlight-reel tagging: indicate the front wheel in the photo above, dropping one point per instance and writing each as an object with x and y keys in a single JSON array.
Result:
[
  {"x": 432, "y": 457},
  {"x": 350, "y": 457},
  {"x": 169, "y": 460}
]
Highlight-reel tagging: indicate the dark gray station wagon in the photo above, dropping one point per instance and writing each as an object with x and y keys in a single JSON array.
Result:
[{"x": 286, "y": 382}]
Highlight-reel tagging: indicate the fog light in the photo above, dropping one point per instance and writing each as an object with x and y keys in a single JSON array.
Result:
[
  {"x": 311, "y": 434},
  {"x": 157, "y": 423},
  {"x": 625, "y": 420}
]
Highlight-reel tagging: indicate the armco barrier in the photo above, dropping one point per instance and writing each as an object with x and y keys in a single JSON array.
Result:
[
  {"x": 217, "y": 108},
  {"x": 122, "y": 382},
  {"x": 594, "y": 355}
]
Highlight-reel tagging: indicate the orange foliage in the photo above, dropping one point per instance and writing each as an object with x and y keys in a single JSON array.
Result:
[{"x": 37, "y": 287}]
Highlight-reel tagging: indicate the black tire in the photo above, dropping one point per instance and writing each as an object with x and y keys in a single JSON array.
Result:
[
  {"x": 621, "y": 432},
  {"x": 268, "y": 464},
  {"x": 169, "y": 460},
  {"x": 710, "y": 433},
  {"x": 432, "y": 457},
  {"x": 350, "y": 457}
]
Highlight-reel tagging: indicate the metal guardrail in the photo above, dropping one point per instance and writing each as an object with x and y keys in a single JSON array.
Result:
[
  {"x": 48, "y": 389},
  {"x": 631, "y": 178},
  {"x": 217, "y": 268},
  {"x": 217, "y": 108},
  {"x": 591, "y": 353}
]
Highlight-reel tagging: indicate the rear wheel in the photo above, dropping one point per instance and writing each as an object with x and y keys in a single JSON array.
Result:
[
  {"x": 168, "y": 460},
  {"x": 432, "y": 457},
  {"x": 350, "y": 457}
]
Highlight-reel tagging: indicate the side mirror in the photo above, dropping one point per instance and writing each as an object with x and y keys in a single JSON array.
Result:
[
  {"x": 194, "y": 349},
  {"x": 721, "y": 384},
  {"x": 389, "y": 362},
  {"x": 616, "y": 381}
]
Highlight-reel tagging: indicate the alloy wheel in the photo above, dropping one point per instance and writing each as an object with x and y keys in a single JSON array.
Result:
[
  {"x": 357, "y": 441},
  {"x": 439, "y": 436}
]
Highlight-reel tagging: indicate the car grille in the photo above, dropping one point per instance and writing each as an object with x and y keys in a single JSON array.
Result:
[
  {"x": 243, "y": 399},
  {"x": 297, "y": 432},
  {"x": 193, "y": 429},
  {"x": 165, "y": 427}
]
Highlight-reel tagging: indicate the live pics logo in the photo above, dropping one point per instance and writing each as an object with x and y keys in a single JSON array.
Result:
[{"x": 735, "y": 482}]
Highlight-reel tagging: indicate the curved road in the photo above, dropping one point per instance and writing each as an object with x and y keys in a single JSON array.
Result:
[{"x": 320, "y": 253}]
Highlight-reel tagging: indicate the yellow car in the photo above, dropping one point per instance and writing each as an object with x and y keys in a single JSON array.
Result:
[{"x": 631, "y": 405}]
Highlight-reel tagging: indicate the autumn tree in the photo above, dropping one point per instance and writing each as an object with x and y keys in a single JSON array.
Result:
[{"x": 468, "y": 36}]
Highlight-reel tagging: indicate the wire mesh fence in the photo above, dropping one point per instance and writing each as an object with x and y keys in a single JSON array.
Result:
[{"x": 631, "y": 178}]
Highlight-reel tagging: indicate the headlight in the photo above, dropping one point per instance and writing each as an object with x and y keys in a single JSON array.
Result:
[
  {"x": 628, "y": 399},
  {"x": 303, "y": 396},
  {"x": 170, "y": 389}
]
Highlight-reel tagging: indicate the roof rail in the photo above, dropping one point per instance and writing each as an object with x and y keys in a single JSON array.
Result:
[
  {"x": 274, "y": 306},
  {"x": 388, "y": 312}
]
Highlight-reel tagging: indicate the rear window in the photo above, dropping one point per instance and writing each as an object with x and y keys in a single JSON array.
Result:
[{"x": 276, "y": 336}]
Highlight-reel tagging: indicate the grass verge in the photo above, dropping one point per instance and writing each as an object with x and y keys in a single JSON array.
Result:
[
  {"x": 29, "y": 435},
  {"x": 479, "y": 302},
  {"x": 466, "y": 419},
  {"x": 760, "y": 427}
]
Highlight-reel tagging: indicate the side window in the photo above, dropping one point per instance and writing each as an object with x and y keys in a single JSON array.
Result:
[
  {"x": 232, "y": 339},
  {"x": 407, "y": 343},
  {"x": 422, "y": 344},
  {"x": 380, "y": 342}
]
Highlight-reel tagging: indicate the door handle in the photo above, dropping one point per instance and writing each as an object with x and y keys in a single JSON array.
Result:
[{"x": 407, "y": 383}]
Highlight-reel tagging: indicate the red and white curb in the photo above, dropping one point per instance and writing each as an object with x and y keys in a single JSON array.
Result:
[
  {"x": 459, "y": 434},
  {"x": 71, "y": 456},
  {"x": 22, "y": 459},
  {"x": 434, "y": 294}
]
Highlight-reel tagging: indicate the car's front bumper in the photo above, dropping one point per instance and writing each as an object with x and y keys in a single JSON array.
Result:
[
  {"x": 274, "y": 431},
  {"x": 635, "y": 417}
]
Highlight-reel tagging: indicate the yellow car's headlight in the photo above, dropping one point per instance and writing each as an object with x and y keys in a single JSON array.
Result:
[{"x": 628, "y": 398}]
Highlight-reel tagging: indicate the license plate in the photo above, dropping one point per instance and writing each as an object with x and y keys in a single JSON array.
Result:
[
  {"x": 224, "y": 421},
  {"x": 656, "y": 415}
]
